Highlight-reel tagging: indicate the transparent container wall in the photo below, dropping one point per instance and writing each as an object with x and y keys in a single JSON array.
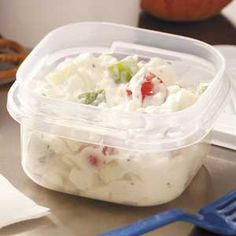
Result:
[{"x": 115, "y": 175}]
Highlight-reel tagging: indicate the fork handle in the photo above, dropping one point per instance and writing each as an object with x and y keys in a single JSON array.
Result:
[{"x": 147, "y": 224}]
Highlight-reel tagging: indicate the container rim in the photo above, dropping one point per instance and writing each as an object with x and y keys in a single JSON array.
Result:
[
  {"x": 190, "y": 109},
  {"x": 196, "y": 114}
]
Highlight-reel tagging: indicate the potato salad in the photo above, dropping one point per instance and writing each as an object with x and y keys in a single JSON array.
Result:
[{"x": 127, "y": 84}]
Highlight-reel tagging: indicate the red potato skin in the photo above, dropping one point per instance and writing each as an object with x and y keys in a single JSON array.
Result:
[{"x": 183, "y": 10}]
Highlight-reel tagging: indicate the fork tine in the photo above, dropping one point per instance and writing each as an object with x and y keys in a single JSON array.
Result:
[
  {"x": 232, "y": 218},
  {"x": 220, "y": 203},
  {"x": 229, "y": 210},
  {"x": 227, "y": 200}
]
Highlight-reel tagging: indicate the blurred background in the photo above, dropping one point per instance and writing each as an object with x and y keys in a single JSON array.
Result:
[
  {"x": 24, "y": 23},
  {"x": 27, "y": 21}
]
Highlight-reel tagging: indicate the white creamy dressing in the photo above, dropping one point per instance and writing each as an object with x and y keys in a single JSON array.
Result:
[{"x": 122, "y": 176}]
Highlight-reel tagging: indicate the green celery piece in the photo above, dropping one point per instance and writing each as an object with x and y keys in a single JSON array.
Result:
[
  {"x": 124, "y": 70},
  {"x": 93, "y": 98}
]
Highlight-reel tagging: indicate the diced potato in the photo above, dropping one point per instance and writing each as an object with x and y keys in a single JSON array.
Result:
[
  {"x": 81, "y": 179},
  {"x": 186, "y": 99},
  {"x": 111, "y": 171}
]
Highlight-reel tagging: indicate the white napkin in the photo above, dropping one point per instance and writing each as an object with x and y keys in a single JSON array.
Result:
[{"x": 15, "y": 206}]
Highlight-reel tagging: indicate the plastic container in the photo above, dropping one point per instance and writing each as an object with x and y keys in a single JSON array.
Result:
[{"x": 124, "y": 157}]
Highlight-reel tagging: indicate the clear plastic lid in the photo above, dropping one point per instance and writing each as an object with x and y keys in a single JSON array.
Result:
[{"x": 193, "y": 60}]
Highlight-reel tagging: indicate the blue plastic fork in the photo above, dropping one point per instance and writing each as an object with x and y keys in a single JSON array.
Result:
[{"x": 218, "y": 217}]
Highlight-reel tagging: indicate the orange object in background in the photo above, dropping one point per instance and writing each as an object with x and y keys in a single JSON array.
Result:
[{"x": 183, "y": 10}]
